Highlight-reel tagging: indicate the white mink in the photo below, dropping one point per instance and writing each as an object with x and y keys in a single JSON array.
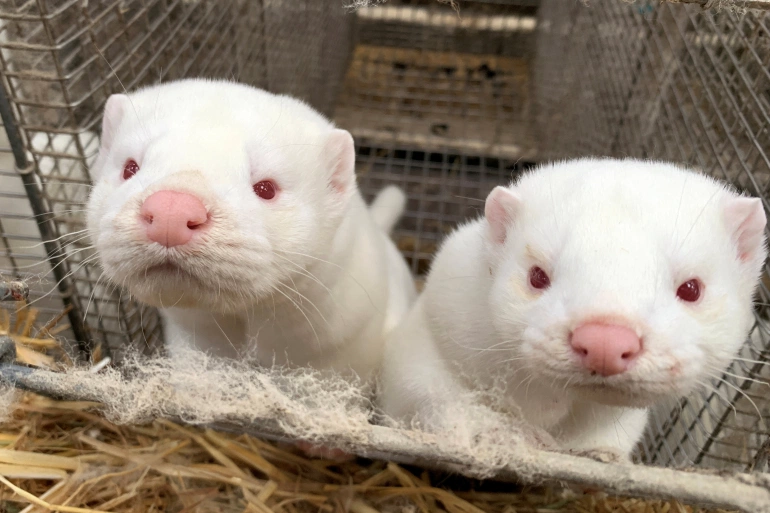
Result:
[
  {"x": 236, "y": 212},
  {"x": 644, "y": 291}
]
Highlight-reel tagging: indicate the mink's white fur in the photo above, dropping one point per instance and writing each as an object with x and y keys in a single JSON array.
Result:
[
  {"x": 616, "y": 238},
  {"x": 309, "y": 278}
]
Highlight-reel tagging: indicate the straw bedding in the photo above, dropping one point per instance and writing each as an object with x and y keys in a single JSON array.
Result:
[
  {"x": 60, "y": 456},
  {"x": 66, "y": 456}
]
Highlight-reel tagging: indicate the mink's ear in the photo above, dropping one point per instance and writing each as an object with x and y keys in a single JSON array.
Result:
[
  {"x": 500, "y": 209},
  {"x": 114, "y": 109},
  {"x": 342, "y": 161},
  {"x": 745, "y": 219}
]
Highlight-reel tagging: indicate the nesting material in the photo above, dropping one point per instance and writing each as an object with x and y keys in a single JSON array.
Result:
[
  {"x": 14, "y": 290},
  {"x": 289, "y": 405},
  {"x": 300, "y": 405},
  {"x": 8, "y": 399},
  {"x": 35, "y": 344},
  {"x": 63, "y": 457}
]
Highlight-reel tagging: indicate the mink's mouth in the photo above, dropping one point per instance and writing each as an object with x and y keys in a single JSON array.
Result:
[
  {"x": 613, "y": 395},
  {"x": 167, "y": 267},
  {"x": 166, "y": 284},
  {"x": 168, "y": 273}
]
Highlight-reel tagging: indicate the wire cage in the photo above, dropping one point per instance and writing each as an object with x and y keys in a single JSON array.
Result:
[{"x": 447, "y": 106}]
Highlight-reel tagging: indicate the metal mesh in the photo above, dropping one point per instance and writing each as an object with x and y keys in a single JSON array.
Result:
[
  {"x": 20, "y": 245},
  {"x": 442, "y": 91},
  {"x": 443, "y": 188},
  {"x": 445, "y": 106}
]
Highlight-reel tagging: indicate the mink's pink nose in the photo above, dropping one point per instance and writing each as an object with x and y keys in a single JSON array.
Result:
[
  {"x": 606, "y": 349},
  {"x": 172, "y": 217}
]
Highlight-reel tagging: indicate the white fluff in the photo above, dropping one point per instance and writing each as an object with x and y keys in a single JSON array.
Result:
[
  {"x": 309, "y": 279},
  {"x": 8, "y": 400},
  {"x": 617, "y": 238}
]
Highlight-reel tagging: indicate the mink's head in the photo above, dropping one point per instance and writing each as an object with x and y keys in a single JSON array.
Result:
[
  {"x": 213, "y": 194},
  {"x": 624, "y": 281}
]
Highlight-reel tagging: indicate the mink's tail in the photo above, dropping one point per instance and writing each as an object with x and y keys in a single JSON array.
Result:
[{"x": 387, "y": 207}]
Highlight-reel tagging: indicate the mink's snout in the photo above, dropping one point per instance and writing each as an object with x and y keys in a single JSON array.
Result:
[
  {"x": 171, "y": 218},
  {"x": 605, "y": 349}
]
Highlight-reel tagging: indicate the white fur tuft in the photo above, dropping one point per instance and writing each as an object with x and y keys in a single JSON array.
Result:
[{"x": 8, "y": 398}]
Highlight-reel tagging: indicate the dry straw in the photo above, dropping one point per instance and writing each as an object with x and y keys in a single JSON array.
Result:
[
  {"x": 66, "y": 456},
  {"x": 59, "y": 456}
]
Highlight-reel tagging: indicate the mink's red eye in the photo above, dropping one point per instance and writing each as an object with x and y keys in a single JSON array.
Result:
[
  {"x": 130, "y": 169},
  {"x": 538, "y": 279},
  {"x": 265, "y": 189},
  {"x": 689, "y": 291}
]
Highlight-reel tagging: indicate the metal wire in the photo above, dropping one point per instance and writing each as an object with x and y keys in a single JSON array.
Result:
[
  {"x": 422, "y": 76},
  {"x": 443, "y": 189}
]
